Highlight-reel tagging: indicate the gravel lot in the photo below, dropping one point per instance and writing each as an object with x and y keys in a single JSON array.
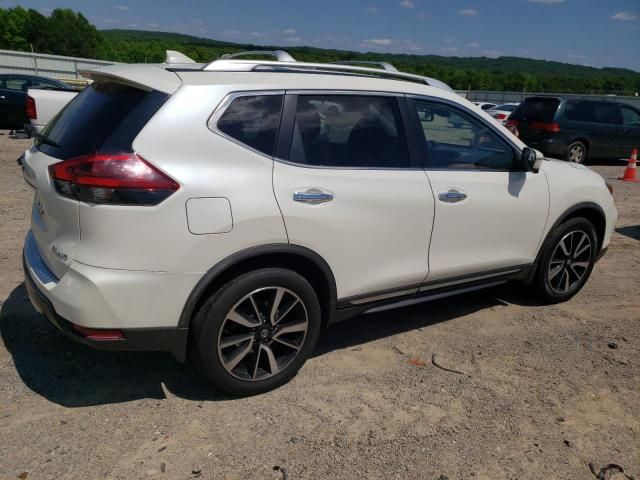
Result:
[{"x": 545, "y": 391}]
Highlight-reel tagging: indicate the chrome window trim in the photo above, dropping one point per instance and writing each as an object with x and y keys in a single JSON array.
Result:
[
  {"x": 366, "y": 93},
  {"x": 443, "y": 101},
  {"x": 221, "y": 108}
]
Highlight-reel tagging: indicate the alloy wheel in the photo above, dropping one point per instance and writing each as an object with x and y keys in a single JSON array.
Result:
[
  {"x": 570, "y": 261},
  {"x": 262, "y": 333},
  {"x": 576, "y": 154}
]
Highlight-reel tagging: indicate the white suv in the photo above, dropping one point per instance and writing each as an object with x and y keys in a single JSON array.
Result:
[{"x": 232, "y": 210}]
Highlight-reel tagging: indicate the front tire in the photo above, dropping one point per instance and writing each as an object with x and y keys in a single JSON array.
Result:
[
  {"x": 256, "y": 332},
  {"x": 576, "y": 152},
  {"x": 568, "y": 257}
]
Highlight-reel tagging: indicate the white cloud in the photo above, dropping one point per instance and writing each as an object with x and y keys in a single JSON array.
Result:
[
  {"x": 407, "y": 4},
  {"x": 231, "y": 32},
  {"x": 422, "y": 16},
  {"x": 449, "y": 50},
  {"x": 449, "y": 40},
  {"x": 293, "y": 39},
  {"x": 371, "y": 10},
  {"x": 153, "y": 25},
  {"x": 468, "y": 12},
  {"x": 546, "y": 2},
  {"x": 123, "y": 8},
  {"x": 379, "y": 41},
  {"x": 289, "y": 31},
  {"x": 133, "y": 25},
  {"x": 576, "y": 56},
  {"x": 473, "y": 45},
  {"x": 625, "y": 16}
]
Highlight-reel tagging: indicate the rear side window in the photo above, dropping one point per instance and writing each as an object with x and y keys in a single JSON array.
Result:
[
  {"x": 595, "y": 112},
  {"x": 104, "y": 118},
  {"x": 253, "y": 120},
  {"x": 536, "y": 110},
  {"x": 579, "y": 111},
  {"x": 355, "y": 131},
  {"x": 607, "y": 113}
]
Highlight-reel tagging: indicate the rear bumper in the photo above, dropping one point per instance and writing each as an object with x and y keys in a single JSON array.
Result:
[{"x": 171, "y": 339}]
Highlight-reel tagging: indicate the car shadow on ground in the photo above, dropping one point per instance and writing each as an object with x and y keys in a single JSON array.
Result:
[
  {"x": 73, "y": 375},
  {"x": 632, "y": 231}
]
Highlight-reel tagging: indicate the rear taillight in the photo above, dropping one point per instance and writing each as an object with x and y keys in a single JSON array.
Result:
[
  {"x": 32, "y": 113},
  {"x": 499, "y": 116},
  {"x": 512, "y": 123},
  {"x": 547, "y": 127},
  {"x": 115, "y": 179}
]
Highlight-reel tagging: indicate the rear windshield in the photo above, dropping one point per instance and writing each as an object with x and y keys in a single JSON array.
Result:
[
  {"x": 536, "y": 110},
  {"x": 105, "y": 118}
]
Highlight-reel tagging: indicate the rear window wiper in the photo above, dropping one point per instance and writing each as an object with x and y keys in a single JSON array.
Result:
[{"x": 47, "y": 140}]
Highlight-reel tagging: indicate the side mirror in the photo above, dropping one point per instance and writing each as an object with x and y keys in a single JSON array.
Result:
[
  {"x": 531, "y": 160},
  {"x": 425, "y": 115}
]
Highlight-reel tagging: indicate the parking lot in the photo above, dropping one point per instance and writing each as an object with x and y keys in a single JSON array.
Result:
[{"x": 540, "y": 391}]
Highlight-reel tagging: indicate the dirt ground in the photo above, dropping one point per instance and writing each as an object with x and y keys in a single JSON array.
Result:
[{"x": 546, "y": 390}]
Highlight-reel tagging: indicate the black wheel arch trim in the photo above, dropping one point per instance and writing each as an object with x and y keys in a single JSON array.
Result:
[
  {"x": 562, "y": 218},
  {"x": 254, "y": 253}
]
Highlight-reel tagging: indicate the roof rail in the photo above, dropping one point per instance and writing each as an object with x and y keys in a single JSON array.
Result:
[
  {"x": 226, "y": 65},
  {"x": 385, "y": 65},
  {"x": 280, "y": 55}
]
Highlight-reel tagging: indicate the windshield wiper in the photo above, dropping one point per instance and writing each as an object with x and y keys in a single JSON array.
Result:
[{"x": 47, "y": 140}]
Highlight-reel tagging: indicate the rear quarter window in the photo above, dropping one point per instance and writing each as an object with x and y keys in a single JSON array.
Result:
[
  {"x": 253, "y": 120},
  {"x": 105, "y": 117}
]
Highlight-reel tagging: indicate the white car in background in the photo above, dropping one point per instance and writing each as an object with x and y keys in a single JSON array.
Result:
[
  {"x": 501, "y": 112},
  {"x": 212, "y": 207},
  {"x": 43, "y": 105},
  {"x": 485, "y": 105}
]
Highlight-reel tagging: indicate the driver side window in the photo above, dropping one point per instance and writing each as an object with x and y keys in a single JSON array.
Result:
[{"x": 457, "y": 141}]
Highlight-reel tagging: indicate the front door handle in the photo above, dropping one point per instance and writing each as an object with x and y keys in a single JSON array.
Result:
[
  {"x": 312, "y": 196},
  {"x": 452, "y": 196}
]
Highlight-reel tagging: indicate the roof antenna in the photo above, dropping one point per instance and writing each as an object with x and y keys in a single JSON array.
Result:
[{"x": 174, "y": 57}]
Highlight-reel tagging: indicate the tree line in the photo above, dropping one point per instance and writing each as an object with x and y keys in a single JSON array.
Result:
[{"x": 65, "y": 32}]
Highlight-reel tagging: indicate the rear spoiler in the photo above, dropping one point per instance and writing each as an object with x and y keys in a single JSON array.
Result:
[{"x": 143, "y": 76}]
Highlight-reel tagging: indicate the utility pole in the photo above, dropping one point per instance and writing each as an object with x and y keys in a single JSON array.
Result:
[{"x": 35, "y": 59}]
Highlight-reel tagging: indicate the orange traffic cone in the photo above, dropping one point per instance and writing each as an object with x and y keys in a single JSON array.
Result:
[{"x": 630, "y": 172}]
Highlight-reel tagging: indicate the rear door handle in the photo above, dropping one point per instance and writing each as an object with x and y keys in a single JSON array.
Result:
[
  {"x": 452, "y": 196},
  {"x": 312, "y": 196}
]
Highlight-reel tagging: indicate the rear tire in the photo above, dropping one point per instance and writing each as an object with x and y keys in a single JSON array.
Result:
[
  {"x": 256, "y": 332},
  {"x": 576, "y": 152},
  {"x": 568, "y": 257}
]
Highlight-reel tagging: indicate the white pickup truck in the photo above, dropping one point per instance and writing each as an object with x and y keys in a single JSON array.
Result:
[{"x": 43, "y": 105}]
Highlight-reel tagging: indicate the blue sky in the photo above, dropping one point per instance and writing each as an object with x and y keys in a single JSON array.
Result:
[{"x": 590, "y": 32}]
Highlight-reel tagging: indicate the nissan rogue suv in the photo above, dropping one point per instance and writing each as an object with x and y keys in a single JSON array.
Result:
[{"x": 232, "y": 210}]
